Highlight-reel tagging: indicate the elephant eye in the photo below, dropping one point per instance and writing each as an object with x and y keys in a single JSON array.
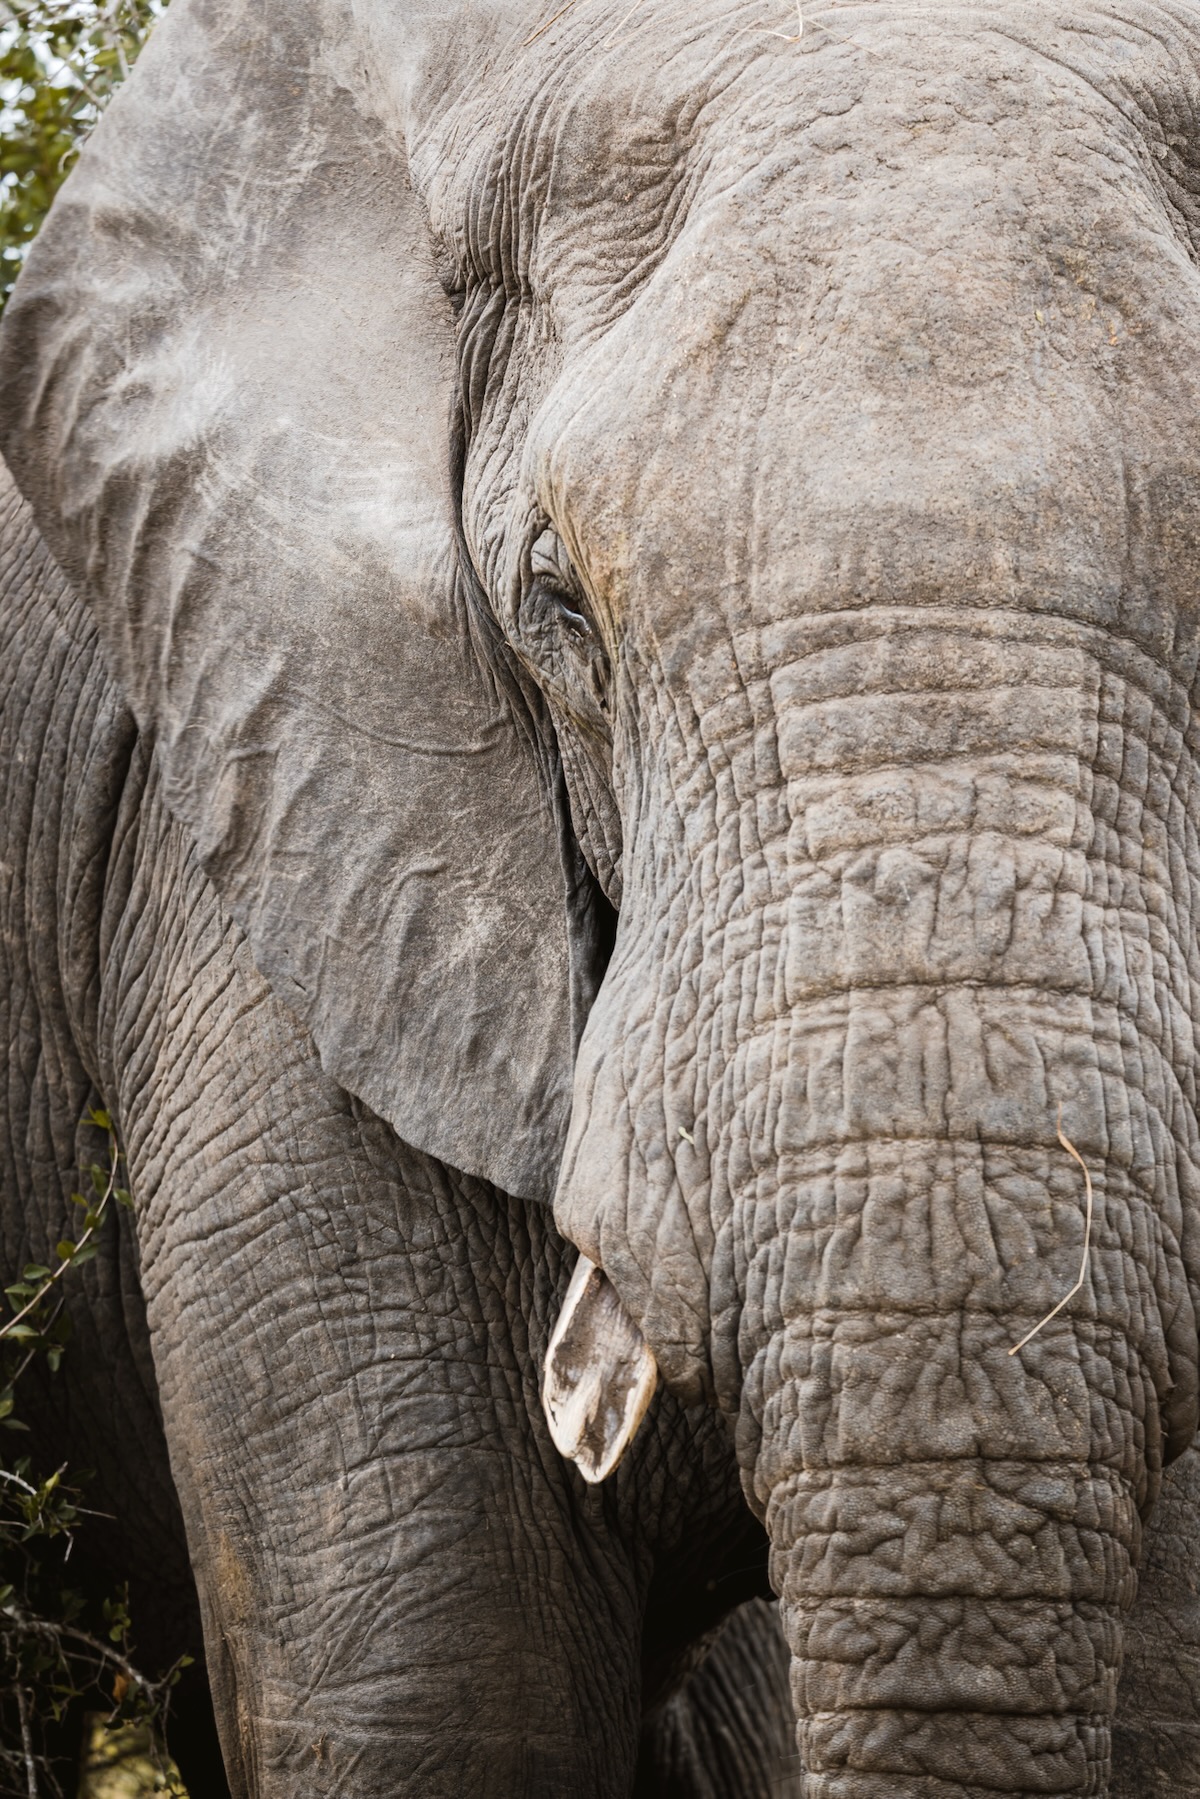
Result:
[{"x": 554, "y": 577}]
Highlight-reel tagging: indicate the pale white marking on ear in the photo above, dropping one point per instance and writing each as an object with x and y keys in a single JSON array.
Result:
[{"x": 600, "y": 1375}]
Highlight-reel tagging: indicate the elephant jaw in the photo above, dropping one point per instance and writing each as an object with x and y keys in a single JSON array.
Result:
[{"x": 600, "y": 1375}]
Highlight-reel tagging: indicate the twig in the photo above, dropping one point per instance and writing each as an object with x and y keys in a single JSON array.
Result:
[
  {"x": 106, "y": 1655},
  {"x": 31, "y": 1783},
  {"x": 7, "y": 1328},
  {"x": 1087, "y": 1240},
  {"x": 815, "y": 24},
  {"x": 31, "y": 1352},
  {"x": 112, "y": 19}
]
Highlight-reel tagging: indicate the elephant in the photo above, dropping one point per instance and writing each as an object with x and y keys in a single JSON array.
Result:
[{"x": 602, "y": 635}]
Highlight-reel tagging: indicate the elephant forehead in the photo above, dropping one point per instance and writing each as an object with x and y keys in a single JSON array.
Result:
[
  {"x": 821, "y": 401},
  {"x": 907, "y": 301},
  {"x": 575, "y": 149}
]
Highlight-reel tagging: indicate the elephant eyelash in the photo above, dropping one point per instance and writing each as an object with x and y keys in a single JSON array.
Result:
[
  {"x": 556, "y": 602},
  {"x": 577, "y": 622},
  {"x": 555, "y": 580}
]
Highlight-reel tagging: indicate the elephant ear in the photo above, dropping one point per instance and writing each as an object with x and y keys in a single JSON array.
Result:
[{"x": 226, "y": 377}]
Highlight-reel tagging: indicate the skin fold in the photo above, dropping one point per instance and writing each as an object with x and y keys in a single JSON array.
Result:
[{"x": 654, "y": 557}]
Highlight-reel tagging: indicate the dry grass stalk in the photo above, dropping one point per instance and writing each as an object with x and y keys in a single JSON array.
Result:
[
  {"x": 611, "y": 39},
  {"x": 534, "y": 36},
  {"x": 1087, "y": 1241},
  {"x": 795, "y": 37}
]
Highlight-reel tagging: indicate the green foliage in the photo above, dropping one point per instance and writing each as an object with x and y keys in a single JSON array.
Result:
[
  {"x": 60, "y": 60},
  {"x": 125, "y": 1761},
  {"x": 52, "y": 1655}
]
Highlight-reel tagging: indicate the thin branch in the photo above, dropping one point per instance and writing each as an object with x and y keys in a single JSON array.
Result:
[
  {"x": 31, "y": 1781},
  {"x": 112, "y": 19},
  {"x": 105, "y": 1653},
  {"x": 113, "y": 1166},
  {"x": 1087, "y": 1241}
]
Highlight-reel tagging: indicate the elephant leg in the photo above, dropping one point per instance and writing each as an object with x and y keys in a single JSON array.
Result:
[
  {"x": 1156, "y": 1738},
  {"x": 66, "y": 744},
  {"x": 729, "y": 1732},
  {"x": 405, "y": 1590}
]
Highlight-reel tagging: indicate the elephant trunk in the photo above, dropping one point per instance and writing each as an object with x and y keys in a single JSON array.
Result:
[
  {"x": 954, "y": 1526},
  {"x": 818, "y": 1160},
  {"x": 907, "y": 1681},
  {"x": 952, "y": 1595}
]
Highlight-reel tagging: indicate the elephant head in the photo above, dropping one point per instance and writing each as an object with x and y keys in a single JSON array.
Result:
[{"x": 738, "y": 469}]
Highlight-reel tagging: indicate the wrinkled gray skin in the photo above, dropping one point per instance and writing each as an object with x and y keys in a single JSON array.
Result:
[
  {"x": 404, "y": 1589},
  {"x": 514, "y": 457}
]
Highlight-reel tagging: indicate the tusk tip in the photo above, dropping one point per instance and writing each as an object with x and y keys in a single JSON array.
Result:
[{"x": 600, "y": 1375}]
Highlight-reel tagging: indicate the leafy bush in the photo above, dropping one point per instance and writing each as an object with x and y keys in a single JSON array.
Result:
[{"x": 52, "y": 1655}]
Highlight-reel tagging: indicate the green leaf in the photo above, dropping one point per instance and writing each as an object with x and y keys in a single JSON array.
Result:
[
  {"x": 19, "y": 1333},
  {"x": 100, "y": 1118},
  {"x": 64, "y": 1249},
  {"x": 33, "y": 1271},
  {"x": 85, "y": 1254}
]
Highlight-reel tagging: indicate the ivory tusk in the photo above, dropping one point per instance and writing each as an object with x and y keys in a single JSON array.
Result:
[{"x": 600, "y": 1375}]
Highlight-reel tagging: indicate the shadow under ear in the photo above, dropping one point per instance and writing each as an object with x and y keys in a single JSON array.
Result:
[{"x": 226, "y": 376}]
